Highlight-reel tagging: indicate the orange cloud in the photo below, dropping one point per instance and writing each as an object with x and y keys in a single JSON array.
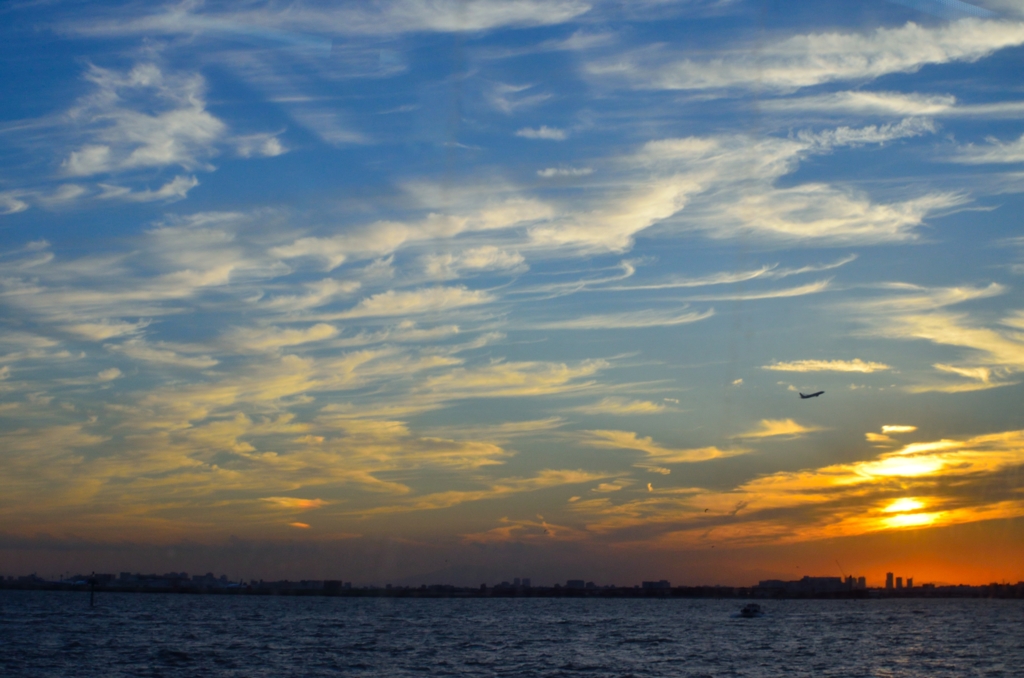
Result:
[
  {"x": 656, "y": 454},
  {"x": 928, "y": 484},
  {"x": 294, "y": 503}
]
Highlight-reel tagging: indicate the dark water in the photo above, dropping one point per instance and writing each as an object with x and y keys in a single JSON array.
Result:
[{"x": 57, "y": 634}]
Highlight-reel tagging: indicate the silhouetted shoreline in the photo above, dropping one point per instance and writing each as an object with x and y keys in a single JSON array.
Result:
[{"x": 339, "y": 589}]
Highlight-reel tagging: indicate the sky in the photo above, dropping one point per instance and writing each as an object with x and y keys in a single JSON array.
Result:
[{"x": 455, "y": 291}]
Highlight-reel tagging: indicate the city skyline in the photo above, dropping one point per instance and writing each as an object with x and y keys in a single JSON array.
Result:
[
  {"x": 808, "y": 585},
  {"x": 438, "y": 289}
]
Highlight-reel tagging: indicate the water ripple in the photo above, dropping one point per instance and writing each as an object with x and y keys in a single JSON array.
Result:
[{"x": 56, "y": 634}]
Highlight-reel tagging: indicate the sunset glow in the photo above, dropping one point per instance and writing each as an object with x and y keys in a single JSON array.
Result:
[
  {"x": 904, "y": 505},
  {"x": 463, "y": 290}
]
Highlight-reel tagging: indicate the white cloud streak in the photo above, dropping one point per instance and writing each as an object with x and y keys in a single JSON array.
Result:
[
  {"x": 542, "y": 132},
  {"x": 812, "y": 59},
  {"x": 994, "y": 152},
  {"x": 380, "y": 18},
  {"x": 626, "y": 320}
]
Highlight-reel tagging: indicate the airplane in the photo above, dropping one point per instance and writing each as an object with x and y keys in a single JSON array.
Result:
[{"x": 811, "y": 395}]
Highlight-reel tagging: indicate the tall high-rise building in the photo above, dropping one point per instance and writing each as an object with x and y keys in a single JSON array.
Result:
[
  {"x": 888, "y": 581},
  {"x": 899, "y": 582},
  {"x": 910, "y": 582},
  {"x": 862, "y": 582}
]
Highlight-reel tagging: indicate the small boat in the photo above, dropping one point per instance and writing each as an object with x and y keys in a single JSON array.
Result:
[{"x": 751, "y": 610}]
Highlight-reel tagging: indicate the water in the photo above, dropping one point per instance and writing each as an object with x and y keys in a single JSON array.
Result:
[{"x": 56, "y": 634}]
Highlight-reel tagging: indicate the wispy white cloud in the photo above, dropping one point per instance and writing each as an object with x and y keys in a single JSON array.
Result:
[
  {"x": 11, "y": 202},
  {"x": 550, "y": 172},
  {"x": 542, "y": 132},
  {"x": 428, "y": 300},
  {"x": 485, "y": 258},
  {"x": 138, "y": 349},
  {"x": 382, "y": 18},
  {"x": 274, "y": 338},
  {"x": 866, "y": 103},
  {"x": 872, "y": 134},
  {"x": 727, "y": 187},
  {"x": 180, "y": 132},
  {"x": 912, "y": 312},
  {"x": 510, "y": 98},
  {"x": 994, "y": 152},
  {"x": 264, "y": 145},
  {"x": 384, "y": 237},
  {"x": 65, "y": 193},
  {"x": 783, "y": 293},
  {"x": 816, "y": 58},
  {"x": 109, "y": 374},
  {"x": 883, "y": 103},
  {"x": 175, "y": 189},
  {"x": 907, "y": 298},
  {"x": 108, "y": 329},
  {"x": 722, "y": 278},
  {"x": 627, "y": 319}
]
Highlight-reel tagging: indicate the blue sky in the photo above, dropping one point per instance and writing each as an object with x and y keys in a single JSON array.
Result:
[{"x": 408, "y": 289}]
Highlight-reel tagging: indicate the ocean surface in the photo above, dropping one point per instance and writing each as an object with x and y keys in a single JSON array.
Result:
[{"x": 58, "y": 634}]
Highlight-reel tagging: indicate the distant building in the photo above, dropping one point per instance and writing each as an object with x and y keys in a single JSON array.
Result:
[
  {"x": 661, "y": 584},
  {"x": 575, "y": 584},
  {"x": 526, "y": 582},
  {"x": 910, "y": 582},
  {"x": 862, "y": 582},
  {"x": 899, "y": 583},
  {"x": 888, "y": 581}
]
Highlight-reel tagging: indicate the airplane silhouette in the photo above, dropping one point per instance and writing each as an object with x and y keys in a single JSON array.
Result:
[{"x": 810, "y": 395}]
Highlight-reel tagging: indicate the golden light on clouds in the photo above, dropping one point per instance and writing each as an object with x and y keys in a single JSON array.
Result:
[
  {"x": 911, "y": 520},
  {"x": 856, "y": 365},
  {"x": 770, "y": 428},
  {"x": 901, "y": 467},
  {"x": 904, "y": 505},
  {"x": 412, "y": 339},
  {"x": 897, "y": 428},
  {"x": 656, "y": 454},
  {"x": 612, "y": 405},
  {"x": 295, "y": 504},
  {"x": 884, "y": 493}
]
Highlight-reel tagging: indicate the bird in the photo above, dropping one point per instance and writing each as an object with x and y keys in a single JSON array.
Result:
[{"x": 811, "y": 395}]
